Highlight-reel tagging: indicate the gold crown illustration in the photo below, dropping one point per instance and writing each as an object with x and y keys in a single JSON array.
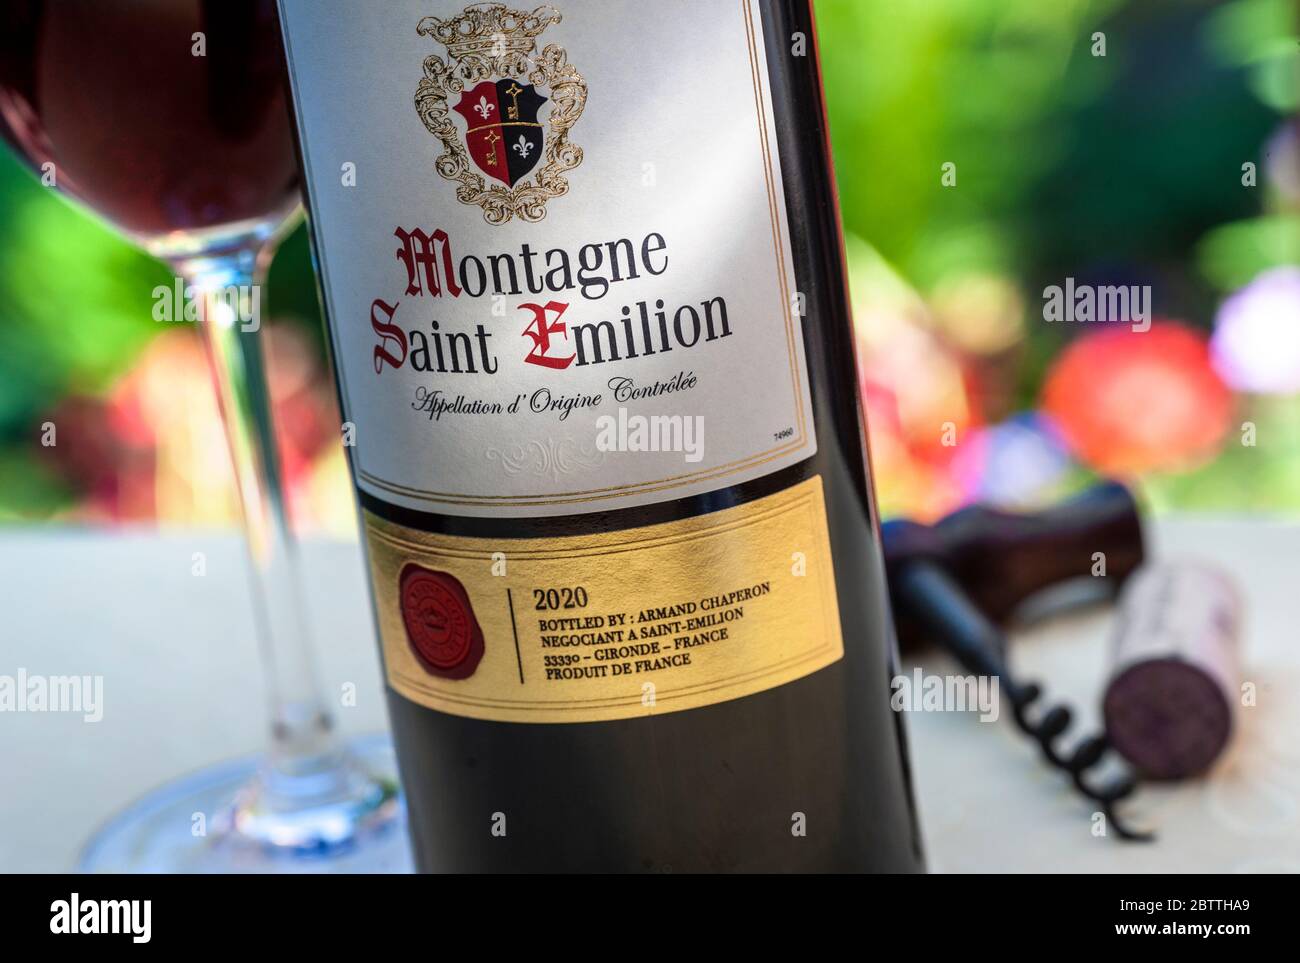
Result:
[{"x": 490, "y": 28}]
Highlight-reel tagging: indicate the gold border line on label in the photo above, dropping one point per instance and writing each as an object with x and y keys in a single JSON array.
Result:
[
  {"x": 591, "y": 495},
  {"x": 673, "y": 481},
  {"x": 778, "y": 244},
  {"x": 584, "y": 546}
]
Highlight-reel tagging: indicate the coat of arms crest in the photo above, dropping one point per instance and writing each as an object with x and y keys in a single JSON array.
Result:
[{"x": 507, "y": 160}]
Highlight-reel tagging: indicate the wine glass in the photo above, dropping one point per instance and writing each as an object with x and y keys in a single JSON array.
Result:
[{"x": 168, "y": 118}]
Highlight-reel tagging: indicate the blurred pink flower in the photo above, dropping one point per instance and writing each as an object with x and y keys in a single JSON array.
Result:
[{"x": 1256, "y": 343}]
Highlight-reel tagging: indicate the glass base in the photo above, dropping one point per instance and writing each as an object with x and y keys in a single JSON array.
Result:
[{"x": 217, "y": 821}]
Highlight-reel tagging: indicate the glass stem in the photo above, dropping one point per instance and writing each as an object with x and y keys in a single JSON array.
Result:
[{"x": 228, "y": 290}]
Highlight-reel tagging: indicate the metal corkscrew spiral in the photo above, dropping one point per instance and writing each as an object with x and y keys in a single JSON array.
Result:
[
  {"x": 949, "y": 581},
  {"x": 1086, "y": 755}
]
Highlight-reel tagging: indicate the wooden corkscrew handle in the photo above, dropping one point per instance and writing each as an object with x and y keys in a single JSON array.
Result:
[{"x": 1002, "y": 558}]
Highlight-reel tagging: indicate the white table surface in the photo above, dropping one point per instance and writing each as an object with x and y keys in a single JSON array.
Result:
[{"x": 182, "y": 690}]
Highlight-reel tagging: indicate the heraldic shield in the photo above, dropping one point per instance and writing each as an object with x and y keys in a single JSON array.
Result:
[{"x": 504, "y": 138}]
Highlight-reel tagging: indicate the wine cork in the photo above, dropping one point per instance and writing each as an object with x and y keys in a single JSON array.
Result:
[{"x": 1170, "y": 703}]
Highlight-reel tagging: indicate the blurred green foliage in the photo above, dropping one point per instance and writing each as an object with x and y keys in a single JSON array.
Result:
[
  {"x": 1126, "y": 166},
  {"x": 1062, "y": 158}
]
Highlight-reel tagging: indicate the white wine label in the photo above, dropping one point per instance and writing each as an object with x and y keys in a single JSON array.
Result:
[
  {"x": 554, "y": 249},
  {"x": 613, "y": 625}
]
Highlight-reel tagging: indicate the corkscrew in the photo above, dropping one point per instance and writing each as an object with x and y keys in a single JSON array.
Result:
[{"x": 951, "y": 583}]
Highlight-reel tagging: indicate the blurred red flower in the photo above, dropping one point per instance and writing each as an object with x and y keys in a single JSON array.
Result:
[{"x": 1129, "y": 402}]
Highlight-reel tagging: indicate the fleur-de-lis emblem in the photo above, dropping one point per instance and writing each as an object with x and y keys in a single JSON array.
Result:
[
  {"x": 523, "y": 147},
  {"x": 483, "y": 108}
]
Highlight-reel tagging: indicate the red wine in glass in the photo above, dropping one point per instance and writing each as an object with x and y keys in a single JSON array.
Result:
[
  {"x": 160, "y": 115},
  {"x": 168, "y": 118}
]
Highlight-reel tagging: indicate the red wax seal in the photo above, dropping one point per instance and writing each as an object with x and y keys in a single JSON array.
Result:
[{"x": 440, "y": 624}]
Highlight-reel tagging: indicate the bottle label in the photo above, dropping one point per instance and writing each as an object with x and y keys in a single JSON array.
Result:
[
  {"x": 554, "y": 249},
  {"x": 613, "y": 625}
]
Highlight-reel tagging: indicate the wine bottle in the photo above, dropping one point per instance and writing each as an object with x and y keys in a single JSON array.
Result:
[{"x": 584, "y": 283}]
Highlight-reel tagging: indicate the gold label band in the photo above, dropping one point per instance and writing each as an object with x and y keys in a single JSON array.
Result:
[{"x": 613, "y": 625}]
